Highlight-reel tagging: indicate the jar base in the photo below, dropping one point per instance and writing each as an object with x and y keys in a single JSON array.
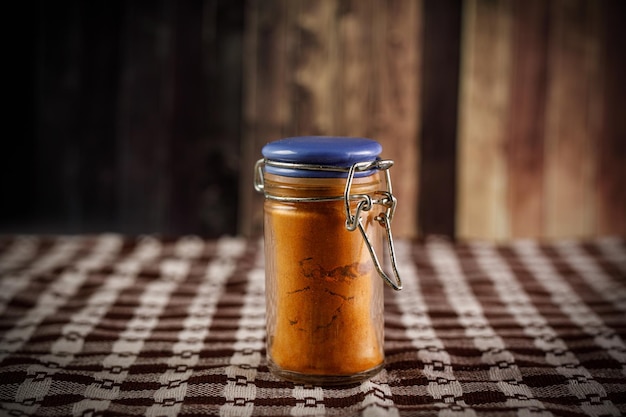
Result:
[{"x": 325, "y": 380}]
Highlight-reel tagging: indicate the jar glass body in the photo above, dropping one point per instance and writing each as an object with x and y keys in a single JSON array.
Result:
[{"x": 324, "y": 296}]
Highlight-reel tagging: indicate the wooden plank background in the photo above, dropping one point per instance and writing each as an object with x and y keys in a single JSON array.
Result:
[
  {"x": 334, "y": 68},
  {"x": 542, "y": 153},
  {"x": 483, "y": 106},
  {"x": 505, "y": 117}
]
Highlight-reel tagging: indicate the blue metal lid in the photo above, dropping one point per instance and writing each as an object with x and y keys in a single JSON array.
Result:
[{"x": 333, "y": 151}]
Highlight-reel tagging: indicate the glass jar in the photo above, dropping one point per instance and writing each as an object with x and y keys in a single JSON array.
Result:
[{"x": 324, "y": 294}]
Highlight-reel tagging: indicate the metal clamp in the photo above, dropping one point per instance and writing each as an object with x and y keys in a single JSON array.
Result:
[
  {"x": 365, "y": 203},
  {"x": 384, "y": 219}
]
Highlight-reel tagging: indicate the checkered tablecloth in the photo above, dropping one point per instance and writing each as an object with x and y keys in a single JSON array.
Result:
[{"x": 109, "y": 325}]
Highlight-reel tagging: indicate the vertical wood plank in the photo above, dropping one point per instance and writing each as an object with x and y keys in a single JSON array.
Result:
[
  {"x": 527, "y": 118},
  {"x": 186, "y": 153},
  {"x": 569, "y": 128},
  {"x": 340, "y": 77},
  {"x": 484, "y": 106},
  {"x": 267, "y": 106},
  {"x": 73, "y": 175},
  {"x": 317, "y": 68},
  {"x": 355, "y": 74},
  {"x": 397, "y": 56},
  {"x": 219, "y": 110},
  {"x": 439, "y": 104},
  {"x": 145, "y": 116},
  {"x": 611, "y": 142}
]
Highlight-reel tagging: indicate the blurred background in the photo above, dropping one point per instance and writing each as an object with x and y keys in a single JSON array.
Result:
[{"x": 506, "y": 119}]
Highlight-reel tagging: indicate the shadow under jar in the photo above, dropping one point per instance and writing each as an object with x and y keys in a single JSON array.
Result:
[{"x": 327, "y": 213}]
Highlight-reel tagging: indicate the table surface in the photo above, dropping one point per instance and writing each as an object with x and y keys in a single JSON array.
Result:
[{"x": 112, "y": 325}]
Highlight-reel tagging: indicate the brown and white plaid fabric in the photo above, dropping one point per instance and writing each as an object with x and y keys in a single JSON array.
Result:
[{"x": 106, "y": 325}]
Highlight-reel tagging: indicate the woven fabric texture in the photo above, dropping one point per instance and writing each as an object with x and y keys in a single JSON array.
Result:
[{"x": 111, "y": 325}]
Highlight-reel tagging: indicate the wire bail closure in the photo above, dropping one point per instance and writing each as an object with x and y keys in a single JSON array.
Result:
[{"x": 365, "y": 203}]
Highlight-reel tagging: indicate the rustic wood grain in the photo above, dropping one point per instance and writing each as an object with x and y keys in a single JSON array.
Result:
[
  {"x": 148, "y": 116},
  {"x": 355, "y": 91},
  {"x": 484, "y": 107},
  {"x": 218, "y": 126},
  {"x": 176, "y": 153},
  {"x": 526, "y": 126},
  {"x": 189, "y": 164},
  {"x": 145, "y": 111},
  {"x": 397, "y": 57},
  {"x": 328, "y": 73},
  {"x": 74, "y": 184},
  {"x": 570, "y": 154},
  {"x": 610, "y": 181},
  {"x": 316, "y": 71},
  {"x": 267, "y": 107},
  {"x": 438, "y": 104}
]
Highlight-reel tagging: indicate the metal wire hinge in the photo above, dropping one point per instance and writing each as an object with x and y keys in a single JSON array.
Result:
[
  {"x": 365, "y": 203},
  {"x": 387, "y": 200}
]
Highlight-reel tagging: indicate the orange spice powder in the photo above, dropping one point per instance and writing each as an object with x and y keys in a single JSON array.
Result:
[{"x": 324, "y": 296}]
